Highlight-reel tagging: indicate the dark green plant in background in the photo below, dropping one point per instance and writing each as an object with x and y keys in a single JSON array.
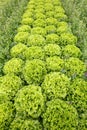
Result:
[
  {"x": 76, "y": 11},
  {"x": 10, "y": 17}
]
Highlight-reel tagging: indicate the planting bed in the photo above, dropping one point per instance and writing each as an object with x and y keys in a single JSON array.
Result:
[{"x": 43, "y": 86}]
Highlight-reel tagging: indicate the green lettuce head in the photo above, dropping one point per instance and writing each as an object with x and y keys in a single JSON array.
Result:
[
  {"x": 54, "y": 63},
  {"x": 51, "y": 21},
  {"x": 49, "y": 14},
  {"x": 21, "y": 37},
  {"x": 48, "y": 7},
  {"x": 13, "y": 66},
  {"x": 74, "y": 67},
  {"x": 24, "y": 28},
  {"x": 34, "y": 52},
  {"x": 59, "y": 9},
  {"x": 83, "y": 121},
  {"x": 27, "y": 14},
  {"x": 55, "y": 85},
  {"x": 28, "y": 124},
  {"x": 63, "y": 29},
  {"x": 27, "y": 21},
  {"x": 36, "y": 40},
  {"x": 56, "y": 2},
  {"x": 40, "y": 16},
  {"x": 71, "y": 51},
  {"x": 6, "y": 115},
  {"x": 38, "y": 30},
  {"x": 18, "y": 50},
  {"x": 52, "y": 39},
  {"x": 39, "y": 9},
  {"x": 39, "y": 23},
  {"x": 60, "y": 116},
  {"x": 29, "y": 102},
  {"x": 78, "y": 94},
  {"x": 52, "y": 50},
  {"x": 50, "y": 29},
  {"x": 10, "y": 84},
  {"x": 60, "y": 16},
  {"x": 34, "y": 71},
  {"x": 67, "y": 39}
]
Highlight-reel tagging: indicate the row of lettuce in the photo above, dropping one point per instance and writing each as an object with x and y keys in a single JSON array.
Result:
[
  {"x": 10, "y": 16},
  {"x": 43, "y": 85}
]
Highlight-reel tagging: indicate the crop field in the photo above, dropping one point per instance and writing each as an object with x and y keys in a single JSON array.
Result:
[{"x": 43, "y": 65}]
